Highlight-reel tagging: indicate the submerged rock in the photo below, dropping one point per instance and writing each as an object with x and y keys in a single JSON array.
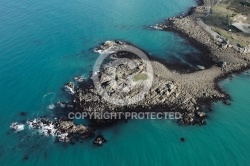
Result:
[
  {"x": 159, "y": 26},
  {"x": 99, "y": 140},
  {"x": 23, "y": 113},
  {"x": 226, "y": 102},
  {"x": 61, "y": 104},
  {"x": 182, "y": 139},
  {"x": 79, "y": 78},
  {"x": 26, "y": 157}
]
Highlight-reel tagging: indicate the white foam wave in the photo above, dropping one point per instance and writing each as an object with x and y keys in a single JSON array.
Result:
[{"x": 17, "y": 127}]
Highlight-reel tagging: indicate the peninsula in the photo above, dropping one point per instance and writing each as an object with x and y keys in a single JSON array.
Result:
[
  {"x": 173, "y": 90},
  {"x": 115, "y": 86}
]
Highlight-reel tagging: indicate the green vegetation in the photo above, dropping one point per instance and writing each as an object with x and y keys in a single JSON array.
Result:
[
  {"x": 227, "y": 12},
  {"x": 141, "y": 77}
]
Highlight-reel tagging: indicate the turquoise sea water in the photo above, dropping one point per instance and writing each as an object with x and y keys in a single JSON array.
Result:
[{"x": 43, "y": 44}]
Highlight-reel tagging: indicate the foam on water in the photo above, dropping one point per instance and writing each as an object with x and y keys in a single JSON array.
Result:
[
  {"x": 17, "y": 127},
  {"x": 51, "y": 106},
  {"x": 47, "y": 128}
]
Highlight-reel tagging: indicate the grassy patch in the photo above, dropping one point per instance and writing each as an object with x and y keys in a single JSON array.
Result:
[
  {"x": 141, "y": 77},
  {"x": 222, "y": 16}
]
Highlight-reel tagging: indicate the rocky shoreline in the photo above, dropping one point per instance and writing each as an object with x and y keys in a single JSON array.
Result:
[
  {"x": 201, "y": 36},
  {"x": 230, "y": 58},
  {"x": 170, "y": 91}
]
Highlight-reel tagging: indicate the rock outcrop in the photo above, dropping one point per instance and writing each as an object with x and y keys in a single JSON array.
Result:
[{"x": 63, "y": 130}]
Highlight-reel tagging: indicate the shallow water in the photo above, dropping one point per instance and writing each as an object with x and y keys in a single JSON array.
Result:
[{"x": 45, "y": 43}]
